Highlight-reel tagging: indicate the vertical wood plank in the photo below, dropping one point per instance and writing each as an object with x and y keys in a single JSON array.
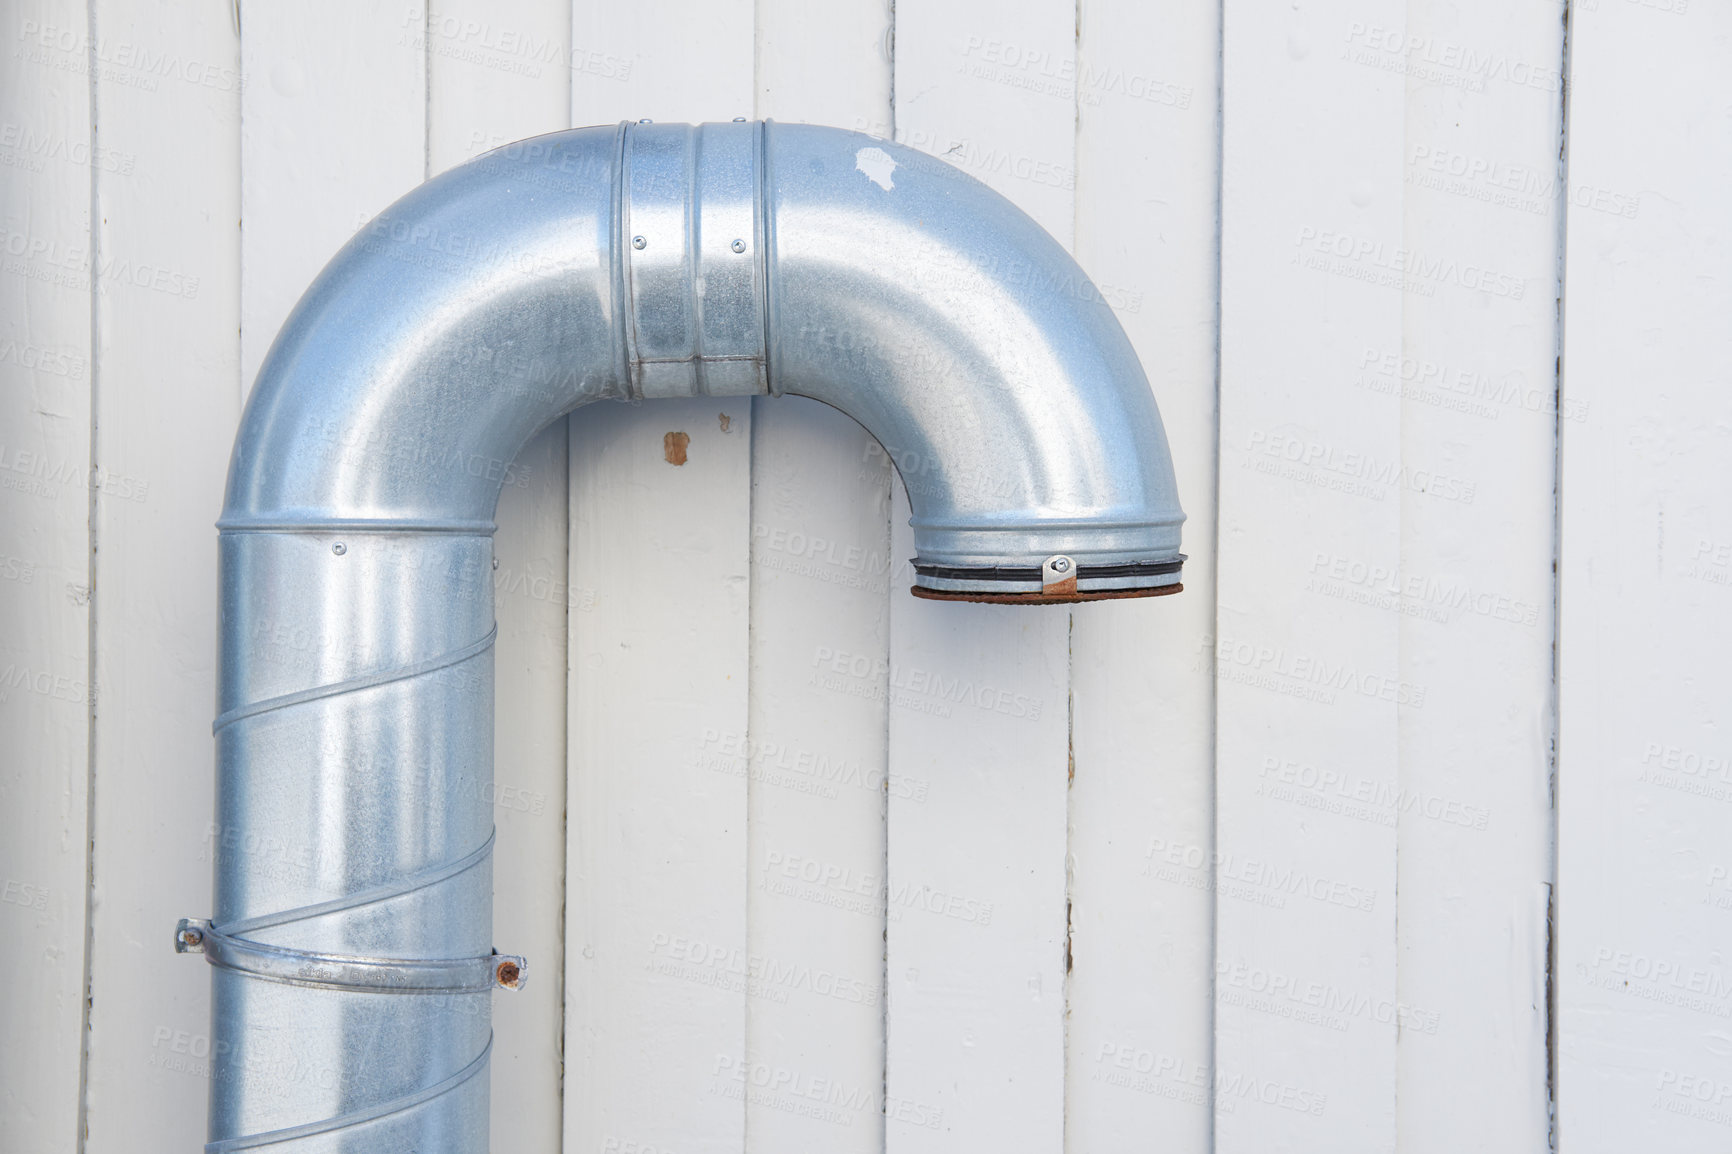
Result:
[
  {"x": 815, "y": 763},
  {"x": 46, "y": 373},
  {"x": 1475, "y": 588},
  {"x": 656, "y": 951},
  {"x": 657, "y": 955},
  {"x": 333, "y": 129},
  {"x": 976, "y": 960},
  {"x": 1142, "y": 950},
  {"x": 166, "y": 409},
  {"x": 815, "y": 759},
  {"x": 497, "y": 72},
  {"x": 1383, "y": 642},
  {"x": 1290, "y": 334},
  {"x": 1646, "y": 560}
]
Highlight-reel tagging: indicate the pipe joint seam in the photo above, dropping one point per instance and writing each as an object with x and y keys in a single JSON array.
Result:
[{"x": 691, "y": 237}]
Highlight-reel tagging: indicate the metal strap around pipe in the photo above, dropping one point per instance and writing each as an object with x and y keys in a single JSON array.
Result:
[
  {"x": 354, "y": 684},
  {"x": 355, "y": 1117},
  {"x": 294, "y": 967},
  {"x": 224, "y": 946}
]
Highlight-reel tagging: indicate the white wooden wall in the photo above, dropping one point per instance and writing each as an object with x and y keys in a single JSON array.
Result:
[{"x": 1403, "y": 828}]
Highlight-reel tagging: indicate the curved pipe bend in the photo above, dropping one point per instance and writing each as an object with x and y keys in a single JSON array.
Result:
[
  {"x": 666, "y": 260},
  {"x": 355, "y": 685}
]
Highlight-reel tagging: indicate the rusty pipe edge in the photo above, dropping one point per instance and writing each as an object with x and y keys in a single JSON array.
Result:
[{"x": 355, "y": 728}]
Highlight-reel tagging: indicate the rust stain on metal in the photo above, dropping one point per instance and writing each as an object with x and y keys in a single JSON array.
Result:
[
  {"x": 725, "y": 421},
  {"x": 1065, "y": 588},
  {"x": 507, "y": 973},
  {"x": 674, "y": 447}
]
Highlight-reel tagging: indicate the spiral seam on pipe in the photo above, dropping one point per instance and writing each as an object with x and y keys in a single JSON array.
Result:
[
  {"x": 355, "y": 1117},
  {"x": 355, "y": 684},
  {"x": 365, "y": 897}
]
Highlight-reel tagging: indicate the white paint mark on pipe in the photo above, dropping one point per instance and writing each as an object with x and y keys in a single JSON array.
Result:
[{"x": 877, "y": 165}]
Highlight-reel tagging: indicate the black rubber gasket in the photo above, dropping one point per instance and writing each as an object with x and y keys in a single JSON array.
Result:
[{"x": 926, "y": 594}]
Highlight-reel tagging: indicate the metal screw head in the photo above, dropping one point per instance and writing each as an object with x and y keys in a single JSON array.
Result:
[
  {"x": 638, "y": 242},
  {"x": 739, "y": 120},
  {"x": 507, "y": 973},
  {"x": 646, "y": 120},
  {"x": 191, "y": 938},
  {"x": 339, "y": 548},
  {"x": 1061, "y": 565},
  {"x": 738, "y": 246}
]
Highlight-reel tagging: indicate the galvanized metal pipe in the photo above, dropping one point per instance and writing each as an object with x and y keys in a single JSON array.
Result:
[{"x": 350, "y": 941}]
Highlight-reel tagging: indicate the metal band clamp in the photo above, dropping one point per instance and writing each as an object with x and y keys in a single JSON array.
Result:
[{"x": 339, "y": 971}]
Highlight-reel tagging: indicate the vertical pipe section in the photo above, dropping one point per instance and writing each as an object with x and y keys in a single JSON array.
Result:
[{"x": 355, "y": 754}]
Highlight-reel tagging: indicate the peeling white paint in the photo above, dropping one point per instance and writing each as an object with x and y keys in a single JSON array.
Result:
[{"x": 877, "y": 165}]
